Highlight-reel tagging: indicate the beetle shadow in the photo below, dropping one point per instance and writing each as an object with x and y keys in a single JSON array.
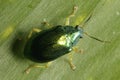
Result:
[{"x": 18, "y": 44}]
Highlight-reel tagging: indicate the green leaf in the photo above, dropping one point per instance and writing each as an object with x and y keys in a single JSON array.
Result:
[{"x": 99, "y": 61}]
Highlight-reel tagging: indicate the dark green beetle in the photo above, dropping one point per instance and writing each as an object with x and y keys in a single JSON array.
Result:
[
  {"x": 48, "y": 45},
  {"x": 53, "y": 43}
]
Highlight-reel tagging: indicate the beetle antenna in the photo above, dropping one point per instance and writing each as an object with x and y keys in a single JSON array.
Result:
[
  {"x": 96, "y": 38},
  {"x": 88, "y": 18}
]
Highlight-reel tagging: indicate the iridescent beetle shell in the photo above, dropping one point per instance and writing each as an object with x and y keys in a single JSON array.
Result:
[{"x": 50, "y": 44}]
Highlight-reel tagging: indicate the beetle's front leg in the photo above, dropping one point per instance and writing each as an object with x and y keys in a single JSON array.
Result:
[
  {"x": 75, "y": 49},
  {"x": 33, "y": 30},
  {"x": 71, "y": 15},
  {"x": 73, "y": 67}
]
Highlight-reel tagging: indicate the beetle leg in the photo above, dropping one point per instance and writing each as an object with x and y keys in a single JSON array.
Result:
[
  {"x": 46, "y": 23},
  {"x": 77, "y": 51},
  {"x": 81, "y": 51},
  {"x": 71, "y": 15},
  {"x": 33, "y": 30},
  {"x": 73, "y": 67},
  {"x": 27, "y": 71}
]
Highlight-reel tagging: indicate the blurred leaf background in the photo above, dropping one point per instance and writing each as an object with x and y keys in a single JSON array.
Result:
[{"x": 100, "y": 61}]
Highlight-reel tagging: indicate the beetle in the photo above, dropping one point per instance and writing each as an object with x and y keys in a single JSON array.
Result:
[
  {"x": 53, "y": 43},
  {"x": 48, "y": 45}
]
